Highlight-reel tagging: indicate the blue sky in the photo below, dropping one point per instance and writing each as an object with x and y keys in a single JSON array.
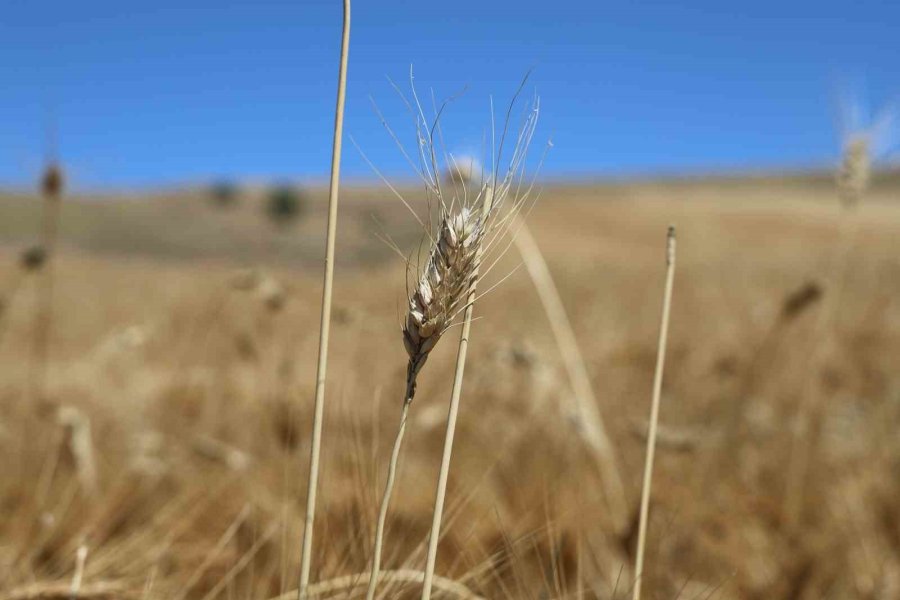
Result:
[{"x": 164, "y": 92}]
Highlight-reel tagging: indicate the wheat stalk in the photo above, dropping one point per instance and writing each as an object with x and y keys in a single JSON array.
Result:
[
  {"x": 468, "y": 226},
  {"x": 450, "y": 587},
  {"x": 447, "y": 282},
  {"x": 452, "y": 414},
  {"x": 325, "y": 322},
  {"x": 654, "y": 415},
  {"x": 80, "y": 560},
  {"x": 51, "y": 190},
  {"x": 853, "y": 178}
]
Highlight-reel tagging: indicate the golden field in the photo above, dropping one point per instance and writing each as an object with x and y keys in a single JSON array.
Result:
[{"x": 170, "y": 436}]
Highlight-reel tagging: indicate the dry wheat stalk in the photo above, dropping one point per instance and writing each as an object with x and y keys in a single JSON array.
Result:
[
  {"x": 347, "y": 583},
  {"x": 325, "y": 322},
  {"x": 63, "y": 591},
  {"x": 80, "y": 560},
  {"x": 434, "y": 535},
  {"x": 468, "y": 226},
  {"x": 853, "y": 178},
  {"x": 51, "y": 190},
  {"x": 443, "y": 288},
  {"x": 654, "y": 415}
]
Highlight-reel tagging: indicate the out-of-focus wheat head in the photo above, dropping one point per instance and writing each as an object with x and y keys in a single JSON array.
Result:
[
  {"x": 867, "y": 137},
  {"x": 855, "y": 170}
]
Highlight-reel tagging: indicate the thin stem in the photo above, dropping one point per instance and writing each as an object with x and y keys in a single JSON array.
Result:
[
  {"x": 441, "y": 493},
  {"x": 386, "y": 498},
  {"x": 654, "y": 415},
  {"x": 325, "y": 324},
  {"x": 44, "y": 318},
  {"x": 80, "y": 559},
  {"x": 349, "y": 582}
]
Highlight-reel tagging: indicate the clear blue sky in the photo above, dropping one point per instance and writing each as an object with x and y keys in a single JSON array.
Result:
[{"x": 167, "y": 92}]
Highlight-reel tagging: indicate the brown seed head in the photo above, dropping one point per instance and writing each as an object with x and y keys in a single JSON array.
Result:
[
  {"x": 33, "y": 258},
  {"x": 52, "y": 181},
  {"x": 800, "y": 299}
]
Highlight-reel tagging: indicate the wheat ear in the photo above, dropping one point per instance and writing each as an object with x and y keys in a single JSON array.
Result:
[
  {"x": 445, "y": 285},
  {"x": 591, "y": 426},
  {"x": 325, "y": 323},
  {"x": 472, "y": 280},
  {"x": 654, "y": 415}
]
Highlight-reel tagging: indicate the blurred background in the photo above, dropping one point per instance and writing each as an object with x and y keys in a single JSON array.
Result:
[
  {"x": 163, "y": 200},
  {"x": 165, "y": 93}
]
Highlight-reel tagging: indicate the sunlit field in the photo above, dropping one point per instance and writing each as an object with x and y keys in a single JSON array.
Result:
[{"x": 166, "y": 433}]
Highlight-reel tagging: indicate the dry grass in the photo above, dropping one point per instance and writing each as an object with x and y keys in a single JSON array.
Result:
[{"x": 198, "y": 398}]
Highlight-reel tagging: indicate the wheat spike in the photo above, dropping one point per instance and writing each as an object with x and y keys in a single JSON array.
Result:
[
  {"x": 855, "y": 171},
  {"x": 442, "y": 290},
  {"x": 469, "y": 225},
  {"x": 443, "y": 286}
]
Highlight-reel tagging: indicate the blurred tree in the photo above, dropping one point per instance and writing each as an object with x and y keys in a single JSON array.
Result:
[
  {"x": 285, "y": 204},
  {"x": 224, "y": 193}
]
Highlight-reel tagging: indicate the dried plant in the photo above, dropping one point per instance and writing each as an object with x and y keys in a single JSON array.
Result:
[
  {"x": 654, "y": 416},
  {"x": 798, "y": 301},
  {"x": 80, "y": 445},
  {"x": 33, "y": 258},
  {"x": 468, "y": 225},
  {"x": 793, "y": 306},
  {"x": 862, "y": 147},
  {"x": 325, "y": 321}
]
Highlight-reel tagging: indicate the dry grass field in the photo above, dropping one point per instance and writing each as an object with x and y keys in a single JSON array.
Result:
[{"x": 170, "y": 437}]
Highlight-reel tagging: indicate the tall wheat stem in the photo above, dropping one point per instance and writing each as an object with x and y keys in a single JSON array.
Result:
[
  {"x": 386, "y": 498},
  {"x": 452, "y": 414},
  {"x": 654, "y": 415},
  {"x": 325, "y": 323}
]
